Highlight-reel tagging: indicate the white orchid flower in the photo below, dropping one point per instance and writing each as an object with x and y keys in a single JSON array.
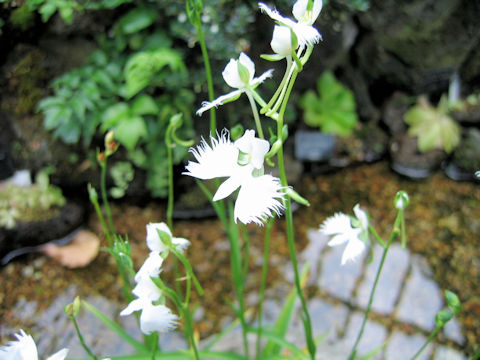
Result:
[
  {"x": 242, "y": 163},
  {"x": 282, "y": 42},
  {"x": 24, "y": 348},
  {"x": 305, "y": 32},
  {"x": 154, "y": 242},
  {"x": 238, "y": 74},
  {"x": 343, "y": 231},
  {"x": 153, "y": 318}
]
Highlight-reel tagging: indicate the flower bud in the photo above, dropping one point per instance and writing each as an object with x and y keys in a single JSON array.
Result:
[
  {"x": 73, "y": 308},
  {"x": 401, "y": 200},
  {"x": 110, "y": 144}
]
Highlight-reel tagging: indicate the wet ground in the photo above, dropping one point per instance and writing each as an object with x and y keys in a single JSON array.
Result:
[{"x": 443, "y": 232}]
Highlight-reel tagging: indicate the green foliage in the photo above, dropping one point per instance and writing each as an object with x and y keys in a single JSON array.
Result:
[
  {"x": 333, "y": 109},
  {"x": 434, "y": 127},
  {"x": 37, "y": 202},
  {"x": 132, "y": 85},
  {"x": 122, "y": 174}
]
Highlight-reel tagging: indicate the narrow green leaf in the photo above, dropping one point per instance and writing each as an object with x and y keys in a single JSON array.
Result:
[
  {"x": 280, "y": 342},
  {"x": 115, "y": 327}
]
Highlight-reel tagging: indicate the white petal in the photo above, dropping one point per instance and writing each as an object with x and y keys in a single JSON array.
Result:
[
  {"x": 157, "y": 318},
  {"x": 245, "y": 143},
  {"x": 59, "y": 355},
  {"x": 220, "y": 101},
  {"x": 249, "y": 64},
  {"x": 306, "y": 34},
  {"x": 353, "y": 249},
  {"x": 361, "y": 215},
  {"x": 259, "y": 198},
  {"x": 275, "y": 15},
  {"x": 219, "y": 160},
  {"x": 23, "y": 348},
  {"x": 227, "y": 187},
  {"x": 151, "y": 266},
  {"x": 337, "y": 224},
  {"x": 260, "y": 148},
  {"x": 258, "y": 80},
  {"x": 147, "y": 290},
  {"x": 300, "y": 8},
  {"x": 231, "y": 76},
  {"x": 339, "y": 239},
  {"x": 135, "y": 305},
  {"x": 181, "y": 243},
  {"x": 282, "y": 40},
  {"x": 154, "y": 242}
]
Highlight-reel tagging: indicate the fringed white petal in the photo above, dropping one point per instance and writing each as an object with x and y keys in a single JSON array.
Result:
[
  {"x": 353, "y": 249},
  {"x": 157, "y": 318},
  {"x": 23, "y": 348},
  {"x": 259, "y": 198},
  {"x": 59, "y": 355},
  {"x": 275, "y": 15},
  {"x": 258, "y": 80},
  {"x": 217, "y": 160},
  {"x": 180, "y": 243},
  {"x": 206, "y": 105},
  {"x": 306, "y": 34},
  {"x": 336, "y": 224}
]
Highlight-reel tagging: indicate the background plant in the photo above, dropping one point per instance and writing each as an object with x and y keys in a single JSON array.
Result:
[{"x": 332, "y": 108}]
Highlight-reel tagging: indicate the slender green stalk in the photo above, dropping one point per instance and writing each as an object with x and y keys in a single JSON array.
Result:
[
  {"x": 238, "y": 279},
  {"x": 103, "y": 189},
  {"x": 170, "y": 200},
  {"x": 81, "y": 339},
  {"x": 263, "y": 282},
  {"x": 208, "y": 73},
  {"x": 189, "y": 330},
  {"x": 280, "y": 88},
  {"x": 101, "y": 218},
  {"x": 430, "y": 338},
  {"x": 307, "y": 323},
  {"x": 394, "y": 233},
  {"x": 155, "y": 344},
  {"x": 246, "y": 249},
  {"x": 258, "y": 124}
]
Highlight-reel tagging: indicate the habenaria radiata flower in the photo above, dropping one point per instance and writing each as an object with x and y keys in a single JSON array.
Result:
[
  {"x": 24, "y": 348},
  {"x": 282, "y": 42},
  {"x": 350, "y": 230},
  {"x": 155, "y": 243},
  {"x": 238, "y": 74},
  {"x": 303, "y": 29},
  {"x": 153, "y": 317},
  {"x": 241, "y": 162}
]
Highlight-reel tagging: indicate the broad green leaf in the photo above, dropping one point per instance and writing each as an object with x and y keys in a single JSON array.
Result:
[
  {"x": 69, "y": 131},
  {"x": 137, "y": 19},
  {"x": 115, "y": 114},
  {"x": 144, "y": 105},
  {"x": 333, "y": 109},
  {"x": 129, "y": 131},
  {"x": 143, "y": 66}
]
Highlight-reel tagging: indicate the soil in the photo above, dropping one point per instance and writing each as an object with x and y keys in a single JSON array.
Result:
[{"x": 443, "y": 224}]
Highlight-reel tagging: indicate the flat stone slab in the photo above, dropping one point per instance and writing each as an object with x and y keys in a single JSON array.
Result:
[{"x": 402, "y": 346}]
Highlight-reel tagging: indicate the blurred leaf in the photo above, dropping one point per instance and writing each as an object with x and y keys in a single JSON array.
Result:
[
  {"x": 137, "y": 19},
  {"x": 129, "y": 131},
  {"x": 143, "y": 66},
  {"x": 114, "y": 114},
  {"x": 333, "y": 109},
  {"x": 144, "y": 105}
]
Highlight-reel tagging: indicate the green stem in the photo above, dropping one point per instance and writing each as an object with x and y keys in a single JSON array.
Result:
[
  {"x": 280, "y": 88},
  {"x": 208, "y": 73},
  {"x": 430, "y": 338},
  {"x": 82, "y": 341},
  {"x": 246, "y": 251},
  {"x": 168, "y": 143},
  {"x": 189, "y": 330},
  {"x": 307, "y": 323},
  {"x": 258, "y": 124},
  {"x": 101, "y": 218},
  {"x": 263, "y": 281},
  {"x": 394, "y": 233},
  {"x": 237, "y": 274},
  {"x": 103, "y": 189}
]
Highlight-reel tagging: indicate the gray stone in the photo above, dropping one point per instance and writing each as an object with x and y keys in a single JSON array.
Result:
[
  {"x": 327, "y": 318},
  {"x": 421, "y": 299},
  {"x": 402, "y": 346},
  {"x": 446, "y": 353},
  {"x": 390, "y": 282},
  {"x": 336, "y": 279},
  {"x": 373, "y": 337},
  {"x": 453, "y": 331}
]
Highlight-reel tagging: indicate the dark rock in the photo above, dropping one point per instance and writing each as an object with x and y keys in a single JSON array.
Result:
[
  {"x": 314, "y": 146},
  {"x": 466, "y": 158},
  {"x": 35, "y": 233},
  {"x": 394, "y": 109},
  {"x": 408, "y": 161},
  {"x": 418, "y": 46}
]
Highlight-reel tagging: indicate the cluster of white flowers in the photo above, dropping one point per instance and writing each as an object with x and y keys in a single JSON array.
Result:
[
  {"x": 24, "y": 348},
  {"x": 350, "y": 230},
  {"x": 260, "y": 195},
  {"x": 155, "y": 316}
]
